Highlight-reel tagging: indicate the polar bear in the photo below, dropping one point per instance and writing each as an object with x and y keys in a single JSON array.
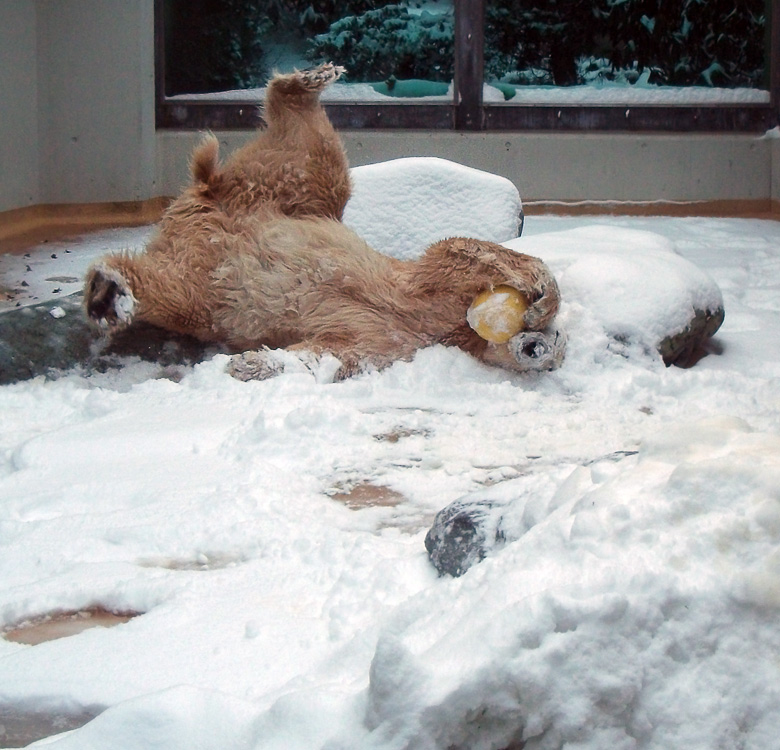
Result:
[{"x": 253, "y": 255}]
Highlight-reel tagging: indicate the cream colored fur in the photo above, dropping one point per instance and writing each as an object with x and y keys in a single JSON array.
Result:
[{"x": 253, "y": 255}]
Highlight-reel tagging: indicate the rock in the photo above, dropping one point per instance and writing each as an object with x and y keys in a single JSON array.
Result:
[
  {"x": 634, "y": 285},
  {"x": 462, "y": 534},
  {"x": 36, "y": 341},
  {"x": 481, "y": 523},
  {"x": 33, "y": 342},
  {"x": 685, "y": 347}
]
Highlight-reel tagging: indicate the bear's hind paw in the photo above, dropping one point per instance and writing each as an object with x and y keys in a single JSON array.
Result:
[
  {"x": 255, "y": 365},
  {"x": 267, "y": 363},
  {"x": 318, "y": 78},
  {"x": 311, "y": 80}
]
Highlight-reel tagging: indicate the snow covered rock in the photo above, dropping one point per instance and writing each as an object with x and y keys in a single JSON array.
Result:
[
  {"x": 401, "y": 206},
  {"x": 475, "y": 526},
  {"x": 633, "y": 285},
  {"x": 462, "y": 534},
  {"x": 630, "y": 614}
]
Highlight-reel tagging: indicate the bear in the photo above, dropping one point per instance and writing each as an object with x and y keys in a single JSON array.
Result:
[{"x": 253, "y": 255}]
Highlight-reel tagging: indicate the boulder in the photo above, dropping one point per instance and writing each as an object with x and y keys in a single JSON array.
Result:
[
  {"x": 55, "y": 335},
  {"x": 479, "y": 524},
  {"x": 634, "y": 285},
  {"x": 462, "y": 534}
]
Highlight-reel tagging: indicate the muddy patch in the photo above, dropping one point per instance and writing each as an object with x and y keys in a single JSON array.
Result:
[
  {"x": 368, "y": 495},
  {"x": 56, "y": 625},
  {"x": 198, "y": 562},
  {"x": 20, "y": 724},
  {"x": 393, "y": 436}
]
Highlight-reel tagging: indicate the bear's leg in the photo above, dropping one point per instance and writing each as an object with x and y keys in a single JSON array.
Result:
[
  {"x": 299, "y": 158},
  {"x": 123, "y": 289}
]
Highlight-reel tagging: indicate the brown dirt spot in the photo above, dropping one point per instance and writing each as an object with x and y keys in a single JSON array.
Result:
[
  {"x": 56, "y": 625},
  {"x": 368, "y": 495}
]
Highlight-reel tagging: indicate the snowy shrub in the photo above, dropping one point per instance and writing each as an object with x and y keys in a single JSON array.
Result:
[
  {"x": 389, "y": 41},
  {"x": 672, "y": 42},
  {"x": 214, "y": 44},
  {"x": 316, "y": 17}
]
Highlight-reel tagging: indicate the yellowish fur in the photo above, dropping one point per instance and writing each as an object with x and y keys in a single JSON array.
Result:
[{"x": 253, "y": 255}]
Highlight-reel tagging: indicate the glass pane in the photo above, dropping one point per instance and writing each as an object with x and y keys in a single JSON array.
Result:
[
  {"x": 601, "y": 51},
  {"x": 390, "y": 50}
]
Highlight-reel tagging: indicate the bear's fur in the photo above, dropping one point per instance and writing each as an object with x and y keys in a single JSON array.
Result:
[{"x": 253, "y": 255}]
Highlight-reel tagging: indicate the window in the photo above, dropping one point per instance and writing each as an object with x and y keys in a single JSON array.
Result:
[{"x": 677, "y": 65}]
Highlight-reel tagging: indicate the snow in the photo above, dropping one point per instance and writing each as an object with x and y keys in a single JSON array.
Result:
[
  {"x": 632, "y": 282},
  {"x": 605, "y": 92},
  {"x": 426, "y": 199},
  {"x": 649, "y": 94},
  {"x": 637, "y": 608}
]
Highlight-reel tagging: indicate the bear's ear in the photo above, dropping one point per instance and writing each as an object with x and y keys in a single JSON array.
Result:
[{"x": 205, "y": 161}]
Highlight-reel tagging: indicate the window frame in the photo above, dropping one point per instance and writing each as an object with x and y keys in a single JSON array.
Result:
[{"x": 468, "y": 112}]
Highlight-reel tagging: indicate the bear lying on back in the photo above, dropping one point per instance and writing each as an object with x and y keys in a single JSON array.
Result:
[{"x": 253, "y": 255}]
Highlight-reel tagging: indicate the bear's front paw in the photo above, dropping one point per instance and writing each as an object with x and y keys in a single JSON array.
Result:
[
  {"x": 108, "y": 299},
  {"x": 538, "y": 350}
]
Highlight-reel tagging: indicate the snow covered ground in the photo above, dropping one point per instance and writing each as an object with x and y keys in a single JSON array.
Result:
[
  {"x": 603, "y": 93},
  {"x": 638, "y": 608}
]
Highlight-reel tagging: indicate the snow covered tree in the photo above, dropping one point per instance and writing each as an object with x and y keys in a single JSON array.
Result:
[
  {"x": 689, "y": 42},
  {"x": 389, "y": 41},
  {"x": 550, "y": 37},
  {"x": 214, "y": 44},
  {"x": 316, "y": 16},
  {"x": 680, "y": 42},
  {"x": 218, "y": 44}
]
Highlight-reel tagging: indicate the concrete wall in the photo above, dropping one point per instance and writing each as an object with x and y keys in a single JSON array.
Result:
[
  {"x": 774, "y": 152},
  {"x": 19, "y": 138},
  {"x": 76, "y": 101},
  {"x": 96, "y": 100},
  {"x": 552, "y": 167}
]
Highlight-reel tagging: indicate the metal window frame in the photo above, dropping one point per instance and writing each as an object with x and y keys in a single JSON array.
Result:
[{"x": 467, "y": 112}]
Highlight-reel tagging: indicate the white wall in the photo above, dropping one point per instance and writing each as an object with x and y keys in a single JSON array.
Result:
[{"x": 19, "y": 140}]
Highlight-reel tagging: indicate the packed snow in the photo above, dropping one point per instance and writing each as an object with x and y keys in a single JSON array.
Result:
[
  {"x": 637, "y": 607},
  {"x": 424, "y": 199}
]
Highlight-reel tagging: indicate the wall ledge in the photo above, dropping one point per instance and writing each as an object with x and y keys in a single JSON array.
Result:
[
  {"x": 21, "y": 228},
  {"x": 734, "y": 209}
]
